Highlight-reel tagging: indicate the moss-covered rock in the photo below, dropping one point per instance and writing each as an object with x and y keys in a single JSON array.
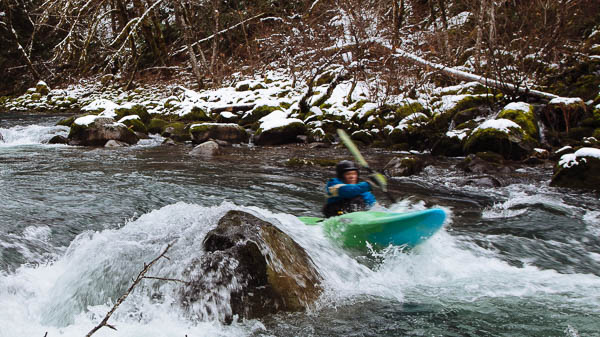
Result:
[
  {"x": 177, "y": 131},
  {"x": 196, "y": 115},
  {"x": 500, "y": 136},
  {"x": 325, "y": 78},
  {"x": 68, "y": 121},
  {"x": 460, "y": 103},
  {"x": 578, "y": 170},
  {"x": 42, "y": 88},
  {"x": 284, "y": 134},
  {"x": 232, "y": 133},
  {"x": 135, "y": 124},
  {"x": 133, "y": 109},
  {"x": 450, "y": 144},
  {"x": 254, "y": 115},
  {"x": 157, "y": 125},
  {"x": 362, "y": 136},
  {"x": 523, "y": 115},
  {"x": 404, "y": 166}
]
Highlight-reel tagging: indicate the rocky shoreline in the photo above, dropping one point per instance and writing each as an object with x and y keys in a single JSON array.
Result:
[{"x": 466, "y": 120}]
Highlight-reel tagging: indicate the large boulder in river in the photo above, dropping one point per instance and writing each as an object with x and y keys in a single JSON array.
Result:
[
  {"x": 229, "y": 132},
  {"x": 501, "y": 136},
  {"x": 277, "y": 129},
  {"x": 578, "y": 170},
  {"x": 250, "y": 269},
  {"x": 94, "y": 130}
]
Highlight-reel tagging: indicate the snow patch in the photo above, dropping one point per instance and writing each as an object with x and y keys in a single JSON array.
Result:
[
  {"x": 86, "y": 120},
  {"x": 276, "y": 119},
  {"x": 108, "y": 106},
  {"x": 566, "y": 100},
  {"x": 129, "y": 117},
  {"x": 460, "y": 134},
  {"x": 571, "y": 159},
  {"x": 519, "y": 106},
  {"x": 501, "y": 124}
]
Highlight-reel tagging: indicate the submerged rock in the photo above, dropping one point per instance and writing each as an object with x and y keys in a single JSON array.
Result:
[
  {"x": 58, "y": 139},
  {"x": 96, "y": 131},
  {"x": 250, "y": 269},
  {"x": 206, "y": 149},
  {"x": 578, "y": 170}
]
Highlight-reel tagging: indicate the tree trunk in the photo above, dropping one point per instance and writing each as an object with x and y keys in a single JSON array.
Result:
[
  {"x": 185, "y": 26},
  {"x": 146, "y": 26},
  {"x": 213, "y": 59},
  {"x": 34, "y": 72}
]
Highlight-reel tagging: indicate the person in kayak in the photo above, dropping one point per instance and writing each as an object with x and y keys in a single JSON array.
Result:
[{"x": 345, "y": 194}]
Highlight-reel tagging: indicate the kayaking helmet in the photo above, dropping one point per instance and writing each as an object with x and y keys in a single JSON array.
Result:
[{"x": 345, "y": 166}]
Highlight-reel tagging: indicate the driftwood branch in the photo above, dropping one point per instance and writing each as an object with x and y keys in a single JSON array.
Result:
[
  {"x": 137, "y": 280},
  {"x": 166, "y": 279},
  {"x": 465, "y": 76}
]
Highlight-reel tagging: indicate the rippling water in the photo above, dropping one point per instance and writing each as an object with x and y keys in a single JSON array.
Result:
[{"x": 78, "y": 223}]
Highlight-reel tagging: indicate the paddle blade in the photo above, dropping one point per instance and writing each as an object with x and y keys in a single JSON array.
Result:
[{"x": 352, "y": 148}]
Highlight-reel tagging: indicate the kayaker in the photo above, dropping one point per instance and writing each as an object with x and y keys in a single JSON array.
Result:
[{"x": 345, "y": 194}]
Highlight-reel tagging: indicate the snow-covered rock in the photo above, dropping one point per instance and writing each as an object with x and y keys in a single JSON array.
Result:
[{"x": 578, "y": 170}]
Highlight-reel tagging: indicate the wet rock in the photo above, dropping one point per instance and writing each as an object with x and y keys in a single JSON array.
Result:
[
  {"x": 96, "y": 131},
  {"x": 1, "y": 138},
  {"x": 228, "y": 132},
  {"x": 115, "y": 143},
  {"x": 279, "y": 135},
  {"x": 484, "y": 163},
  {"x": 484, "y": 181},
  {"x": 55, "y": 140},
  {"x": 578, "y": 170},
  {"x": 404, "y": 166},
  {"x": 250, "y": 269},
  {"x": 450, "y": 144},
  {"x": 501, "y": 136},
  {"x": 206, "y": 149}
]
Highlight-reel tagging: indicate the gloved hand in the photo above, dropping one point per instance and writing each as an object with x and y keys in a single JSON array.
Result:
[{"x": 377, "y": 180}]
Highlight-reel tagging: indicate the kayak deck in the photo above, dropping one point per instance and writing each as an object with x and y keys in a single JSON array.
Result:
[{"x": 381, "y": 229}]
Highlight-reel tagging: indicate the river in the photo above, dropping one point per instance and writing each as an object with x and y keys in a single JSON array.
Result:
[{"x": 77, "y": 224}]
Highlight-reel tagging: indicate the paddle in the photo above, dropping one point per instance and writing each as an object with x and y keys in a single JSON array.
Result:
[{"x": 379, "y": 178}]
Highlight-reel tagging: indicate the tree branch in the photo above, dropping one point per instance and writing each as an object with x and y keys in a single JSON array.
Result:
[{"x": 137, "y": 280}]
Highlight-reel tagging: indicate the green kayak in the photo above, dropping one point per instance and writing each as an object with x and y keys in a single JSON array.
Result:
[{"x": 381, "y": 229}]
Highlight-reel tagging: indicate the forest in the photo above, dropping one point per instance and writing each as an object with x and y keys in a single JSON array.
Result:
[{"x": 538, "y": 44}]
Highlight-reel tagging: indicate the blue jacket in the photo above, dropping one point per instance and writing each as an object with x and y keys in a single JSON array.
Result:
[{"x": 337, "y": 190}]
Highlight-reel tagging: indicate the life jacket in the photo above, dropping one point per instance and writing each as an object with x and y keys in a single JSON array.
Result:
[{"x": 344, "y": 206}]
